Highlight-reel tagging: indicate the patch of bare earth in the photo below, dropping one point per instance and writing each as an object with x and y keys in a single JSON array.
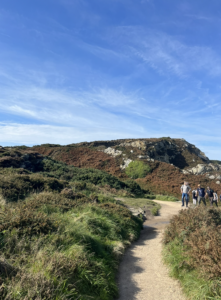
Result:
[{"x": 142, "y": 274}]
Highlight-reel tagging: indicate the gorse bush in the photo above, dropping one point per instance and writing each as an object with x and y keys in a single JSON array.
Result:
[
  {"x": 137, "y": 169},
  {"x": 193, "y": 240}
]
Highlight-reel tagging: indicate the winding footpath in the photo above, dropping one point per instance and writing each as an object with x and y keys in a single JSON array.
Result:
[{"x": 142, "y": 274}]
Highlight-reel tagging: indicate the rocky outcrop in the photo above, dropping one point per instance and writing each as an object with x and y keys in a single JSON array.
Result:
[
  {"x": 126, "y": 163},
  {"x": 111, "y": 151},
  {"x": 201, "y": 169},
  {"x": 178, "y": 152}
]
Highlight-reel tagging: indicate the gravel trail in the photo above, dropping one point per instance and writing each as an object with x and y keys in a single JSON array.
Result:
[{"x": 142, "y": 274}]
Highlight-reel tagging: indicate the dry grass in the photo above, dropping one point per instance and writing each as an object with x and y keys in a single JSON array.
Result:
[{"x": 193, "y": 250}]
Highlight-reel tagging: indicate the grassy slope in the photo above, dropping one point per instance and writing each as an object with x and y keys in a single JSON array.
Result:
[
  {"x": 64, "y": 237},
  {"x": 63, "y": 248}
]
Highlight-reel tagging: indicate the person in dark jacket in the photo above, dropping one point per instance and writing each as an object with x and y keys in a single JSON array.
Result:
[
  {"x": 194, "y": 196},
  {"x": 209, "y": 194},
  {"x": 201, "y": 195}
]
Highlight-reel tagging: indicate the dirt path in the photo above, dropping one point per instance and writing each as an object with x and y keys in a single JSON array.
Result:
[{"x": 142, "y": 275}]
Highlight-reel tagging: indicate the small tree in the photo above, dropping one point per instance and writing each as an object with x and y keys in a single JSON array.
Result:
[{"x": 137, "y": 169}]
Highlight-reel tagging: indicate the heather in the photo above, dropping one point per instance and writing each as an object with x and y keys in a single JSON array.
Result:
[
  {"x": 63, "y": 246},
  {"x": 193, "y": 251}
]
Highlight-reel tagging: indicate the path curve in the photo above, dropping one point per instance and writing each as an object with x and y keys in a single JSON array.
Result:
[{"x": 142, "y": 274}]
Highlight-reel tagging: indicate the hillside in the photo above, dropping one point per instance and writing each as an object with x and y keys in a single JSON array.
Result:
[
  {"x": 178, "y": 152},
  {"x": 171, "y": 161},
  {"x": 61, "y": 230}
]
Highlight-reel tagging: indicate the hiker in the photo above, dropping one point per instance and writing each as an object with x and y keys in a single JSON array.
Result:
[
  {"x": 194, "y": 196},
  {"x": 209, "y": 193},
  {"x": 201, "y": 195},
  {"x": 215, "y": 199},
  {"x": 185, "y": 189}
]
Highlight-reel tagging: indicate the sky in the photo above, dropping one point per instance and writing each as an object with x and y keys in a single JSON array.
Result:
[{"x": 85, "y": 70}]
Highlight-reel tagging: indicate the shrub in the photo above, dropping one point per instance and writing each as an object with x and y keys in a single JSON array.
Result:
[
  {"x": 193, "y": 239},
  {"x": 16, "y": 187},
  {"x": 137, "y": 169},
  {"x": 133, "y": 187},
  {"x": 25, "y": 221}
]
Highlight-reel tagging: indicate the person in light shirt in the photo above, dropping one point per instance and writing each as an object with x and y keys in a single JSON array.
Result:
[{"x": 185, "y": 190}]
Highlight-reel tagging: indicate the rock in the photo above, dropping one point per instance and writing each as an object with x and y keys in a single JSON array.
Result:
[
  {"x": 201, "y": 169},
  {"x": 143, "y": 156},
  {"x": 138, "y": 212},
  {"x": 218, "y": 182},
  {"x": 211, "y": 177},
  {"x": 126, "y": 163},
  {"x": 218, "y": 177},
  {"x": 112, "y": 151},
  {"x": 185, "y": 172},
  {"x": 131, "y": 151}
]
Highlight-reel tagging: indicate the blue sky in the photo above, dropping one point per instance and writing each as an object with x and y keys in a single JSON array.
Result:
[{"x": 84, "y": 70}]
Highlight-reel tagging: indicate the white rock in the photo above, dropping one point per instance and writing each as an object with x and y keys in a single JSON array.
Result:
[
  {"x": 126, "y": 163},
  {"x": 185, "y": 172},
  {"x": 218, "y": 177},
  {"x": 218, "y": 182},
  {"x": 112, "y": 151},
  {"x": 143, "y": 156},
  {"x": 131, "y": 151},
  {"x": 212, "y": 177}
]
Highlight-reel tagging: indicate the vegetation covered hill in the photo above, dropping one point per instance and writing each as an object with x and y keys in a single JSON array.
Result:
[
  {"x": 174, "y": 151},
  {"x": 61, "y": 231},
  {"x": 171, "y": 161}
]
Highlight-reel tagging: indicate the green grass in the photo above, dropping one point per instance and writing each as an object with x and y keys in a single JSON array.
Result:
[
  {"x": 137, "y": 169},
  {"x": 194, "y": 285},
  {"x": 162, "y": 197},
  {"x": 76, "y": 257},
  {"x": 142, "y": 202}
]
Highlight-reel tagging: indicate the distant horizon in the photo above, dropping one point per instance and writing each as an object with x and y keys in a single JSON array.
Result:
[{"x": 88, "y": 70}]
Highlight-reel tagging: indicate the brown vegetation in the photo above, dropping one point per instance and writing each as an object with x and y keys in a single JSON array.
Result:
[
  {"x": 167, "y": 179},
  {"x": 83, "y": 157}
]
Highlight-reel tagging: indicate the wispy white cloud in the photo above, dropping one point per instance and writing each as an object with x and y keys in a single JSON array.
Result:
[{"x": 167, "y": 54}]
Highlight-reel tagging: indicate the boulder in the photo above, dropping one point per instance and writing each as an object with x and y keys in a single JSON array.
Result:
[
  {"x": 218, "y": 182},
  {"x": 126, "y": 163},
  {"x": 212, "y": 177},
  {"x": 111, "y": 151}
]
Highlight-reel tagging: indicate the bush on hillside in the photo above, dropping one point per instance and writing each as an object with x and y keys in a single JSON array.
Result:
[
  {"x": 79, "y": 177},
  {"x": 16, "y": 187},
  {"x": 193, "y": 250},
  {"x": 133, "y": 187},
  {"x": 137, "y": 169}
]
